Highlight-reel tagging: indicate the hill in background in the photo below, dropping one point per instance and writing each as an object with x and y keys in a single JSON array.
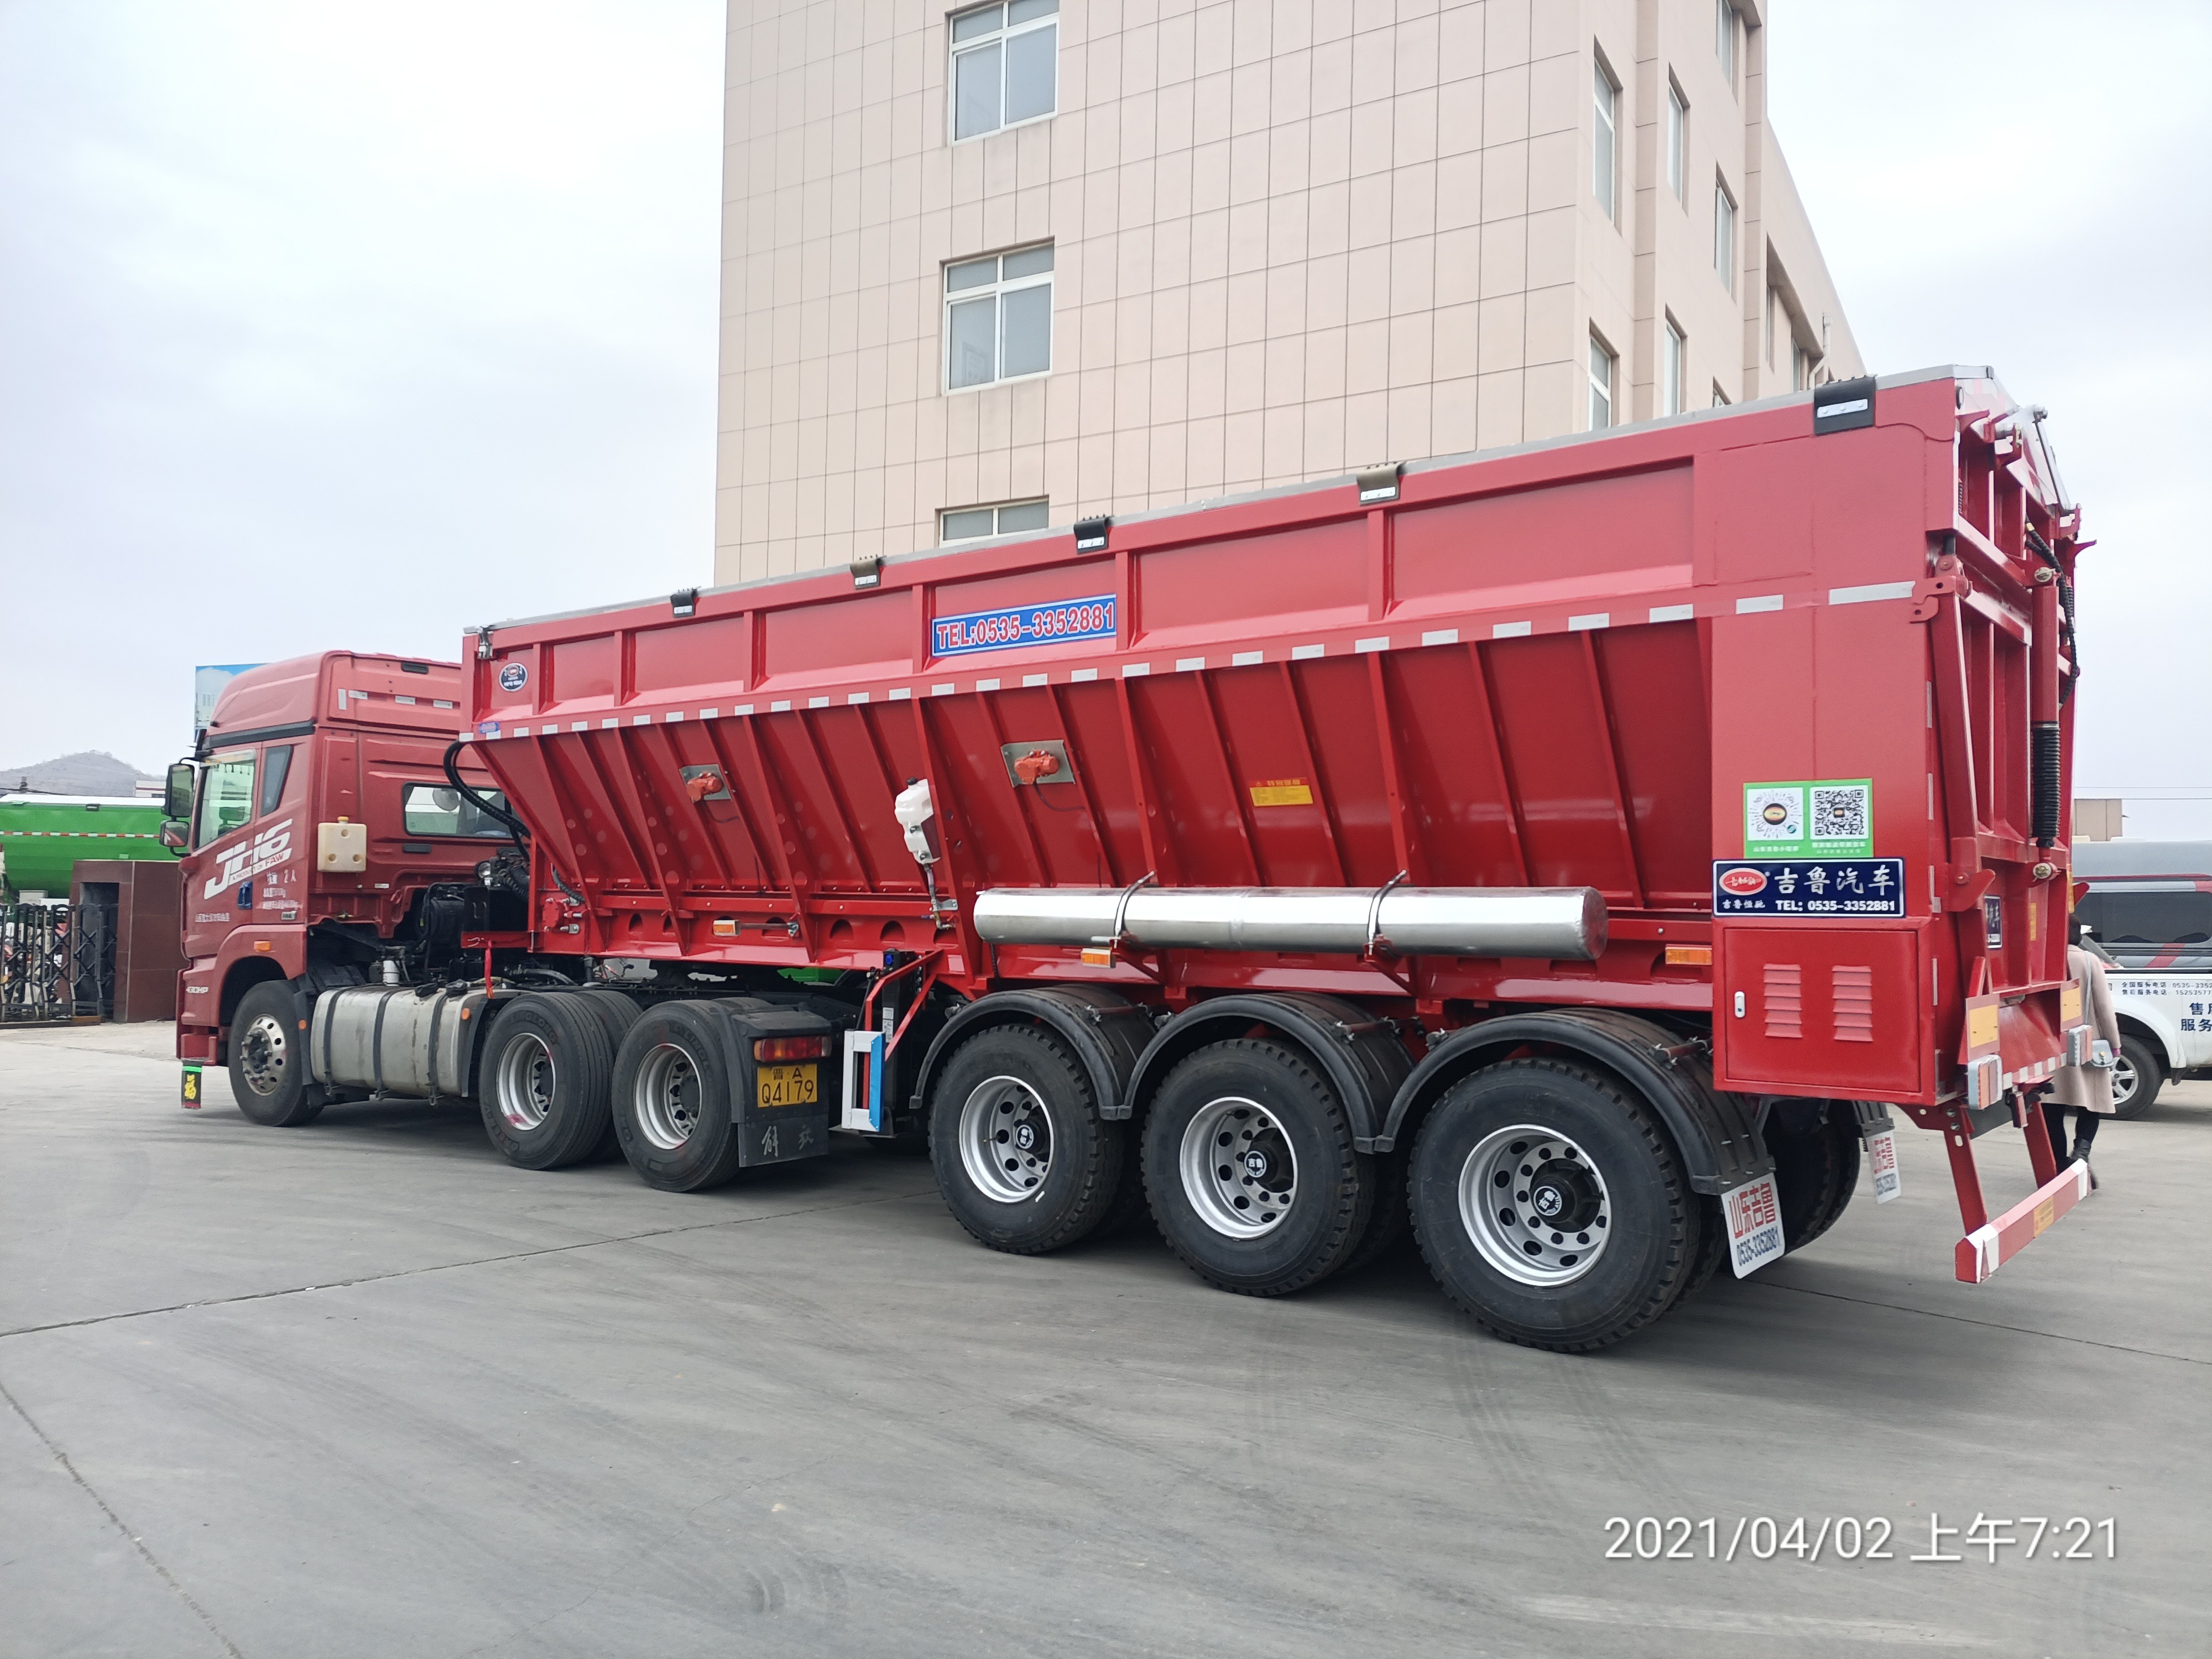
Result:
[{"x": 88, "y": 772}]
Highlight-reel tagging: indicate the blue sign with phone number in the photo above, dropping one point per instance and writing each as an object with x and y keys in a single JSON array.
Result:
[
  {"x": 1026, "y": 624},
  {"x": 1808, "y": 887}
]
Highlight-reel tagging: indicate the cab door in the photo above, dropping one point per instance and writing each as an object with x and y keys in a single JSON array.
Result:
[{"x": 218, "y": 894}]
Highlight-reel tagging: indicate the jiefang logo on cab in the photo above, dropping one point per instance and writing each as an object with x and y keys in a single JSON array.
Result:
[
  {"x": 1743, "y": 883},
  {"x": 1028, "y": 624}
]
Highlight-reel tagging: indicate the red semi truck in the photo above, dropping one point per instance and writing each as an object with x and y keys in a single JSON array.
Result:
[{"x": 1575, "y": 852}]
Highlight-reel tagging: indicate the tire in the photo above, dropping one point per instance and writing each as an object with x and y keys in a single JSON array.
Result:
[
  {"x": 269, "y": 1075},
  {"x": 1386, "y": 1220},
  {"x": 1815, "y": 1148},
  {"x": 618, "y": 1011},
  {"x": 1024, "y": 1160},
  {"x": 2138, "y": 1070},
  {"x": 672, "y": 1093},
  {"x": 1288, "y": 1134},
  {"x": 1612, "y": 1166},
  {"x": 543, "y": 1084},
  {"x": 1712, "y": 1249}
]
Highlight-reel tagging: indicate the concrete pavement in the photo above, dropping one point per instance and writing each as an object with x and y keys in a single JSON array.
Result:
[{"x": 363, "y": 1389}]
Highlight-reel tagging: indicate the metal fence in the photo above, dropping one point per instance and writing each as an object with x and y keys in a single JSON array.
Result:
[{"x": 57, "y": 963}]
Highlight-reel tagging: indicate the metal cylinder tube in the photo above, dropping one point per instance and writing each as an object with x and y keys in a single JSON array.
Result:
[{"x": 1559, "y": 923}]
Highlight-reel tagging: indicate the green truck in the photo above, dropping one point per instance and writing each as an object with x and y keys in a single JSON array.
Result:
[{"x": 43, "y": 836}]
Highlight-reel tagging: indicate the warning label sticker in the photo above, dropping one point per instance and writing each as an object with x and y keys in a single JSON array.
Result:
[
  {"x": 1831, "y": 817},
  {"x": 1283, "y": 792}
]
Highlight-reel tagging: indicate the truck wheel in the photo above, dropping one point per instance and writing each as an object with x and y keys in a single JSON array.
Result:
[
  {"x": 672, "y": 1092},
  {"x": 2137, "y": 1076},
  {"x": 1023, "y": 1158},
  {"x": 1816, "y": 1166},
  {"x": 542, "y": 1085},
  {"x": 1254, "y": 1180},
  {"x": 269, "y": 1076},
  {"x": 1712, "y": 1249},
  {"x": 1385, "y": 1222},
  {"x": 1551, "y": 1205},
  {"x": 618, "y": 1011}
]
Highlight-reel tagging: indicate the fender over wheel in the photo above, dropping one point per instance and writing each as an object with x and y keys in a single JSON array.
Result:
[
  {"x": 1551, "y": 1206},
  {"x": 1249, "y": 1162},
  {"x": 269, "y": 1075},
  {"x": 543, "y": 1084},
  {"x": 1023, "y": 1158},
  {"x": 1815, "y": 1147}
]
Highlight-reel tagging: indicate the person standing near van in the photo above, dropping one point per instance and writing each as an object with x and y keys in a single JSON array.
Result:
[{"x": 2087, "y": 1090}]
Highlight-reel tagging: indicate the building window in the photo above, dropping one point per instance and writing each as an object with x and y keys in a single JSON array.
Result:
[
  {"x": 1601, "y": 385},
  {"x": 1724, "y": 40},
  {"x": 1774, "y": 306},
  {"x": 997, "y": 317},
  {"x": 1672, "y": 349},
  {"x": 965, "y": 524},
  {"x": 1800, "y": 367},
  {"x": 1678, "y": 140},
  {"x": 1724, "y": 236},
  {"x": 1605, "y": 144},
  {"x": 1005, "y": 65}
]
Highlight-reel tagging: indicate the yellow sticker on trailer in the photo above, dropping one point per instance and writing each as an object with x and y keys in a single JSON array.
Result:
[
  {"x": 790, "y": 1085},
  {"x": 1282, "y": 792}
]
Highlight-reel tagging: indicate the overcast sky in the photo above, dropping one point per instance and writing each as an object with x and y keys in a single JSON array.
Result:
[{"x": 328, "y": 324}]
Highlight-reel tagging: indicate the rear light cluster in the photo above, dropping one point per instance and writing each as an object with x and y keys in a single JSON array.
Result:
[{"x": 803, "y": 1047}]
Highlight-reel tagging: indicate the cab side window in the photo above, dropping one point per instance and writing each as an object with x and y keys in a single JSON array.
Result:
[
  {"x": 225, "y": 797},
  {"x": 276, "y": 763}
]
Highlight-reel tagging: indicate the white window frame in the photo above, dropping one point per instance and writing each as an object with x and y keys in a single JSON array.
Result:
[
  {"x": 1724, "y": 40},
  {"x": 997, "y": 290},
  {"x": 1723, "y": 233},
  {"x": 1673, "y": 365},
  {"x": 1602, "y": 388},
  {"x": 1678, "y": 143},
  {"x": 954, "y": 51},
  {"x": 1604, "y": 139},
  {"x": 994, "y": 509}
]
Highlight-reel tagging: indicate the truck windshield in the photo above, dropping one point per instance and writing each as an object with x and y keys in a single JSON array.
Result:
[
  {"x": 433, "y": 809},
  {"x": 225, "y": 797}
]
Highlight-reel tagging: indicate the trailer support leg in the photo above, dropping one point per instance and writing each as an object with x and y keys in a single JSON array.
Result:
[{"x": 1973, "y": 1209}]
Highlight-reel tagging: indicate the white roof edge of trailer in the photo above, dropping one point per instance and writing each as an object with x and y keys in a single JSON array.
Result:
[{"x": 1152, "y": 515}]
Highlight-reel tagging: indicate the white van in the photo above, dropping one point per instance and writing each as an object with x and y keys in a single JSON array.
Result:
[{"x": 2149, "y": 910}]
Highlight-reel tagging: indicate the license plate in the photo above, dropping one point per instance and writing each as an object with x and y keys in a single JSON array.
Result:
[
  {"x": 1754, "y": 1224},
  {"x": 790, "y": 1085}
]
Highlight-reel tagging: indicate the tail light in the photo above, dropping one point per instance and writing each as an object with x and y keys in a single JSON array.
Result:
[{"x": 799, "y": 1048}]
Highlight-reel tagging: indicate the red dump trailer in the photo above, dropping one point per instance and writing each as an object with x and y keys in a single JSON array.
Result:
[{"x": 1575, "y": 851}]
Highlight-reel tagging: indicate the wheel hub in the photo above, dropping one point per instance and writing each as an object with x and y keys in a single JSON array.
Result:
[
  {"x": 1238, "y": 1171},
  {"x": 261, "y": 1054},
  {"x": 1005, "y": 1140},
  {"x": 1534, "y": 1204},
  {"x": 667, "y": 1100},
  {"x": 525, "y": 1081}
]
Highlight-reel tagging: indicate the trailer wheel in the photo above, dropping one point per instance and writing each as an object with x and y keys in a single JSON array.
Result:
[
  {"x": 1023, "y": 1158},
  {"x": 1253, "y": 1177},
  {"x": 1551, "y": 1205},
  {"x": 543, "y": 1086},
  {"x": 269, "y": 1076},
  {"x": 1816, "y": 1166},
  {"x": 1712, "y": 1249},
  {"x": 2137, "y": 1076},
  {"x": 1385, "y": 1222},
  {"x": 672, "y": 1093}
]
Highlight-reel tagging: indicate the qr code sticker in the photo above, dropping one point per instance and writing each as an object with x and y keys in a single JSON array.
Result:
[
  {"x": 1840, "y": 813},
  {"x": 1774, "y": 814}
]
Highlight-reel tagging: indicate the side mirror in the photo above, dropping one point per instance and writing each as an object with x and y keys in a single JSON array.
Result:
[
  {"x": 177, "y": 799},
  {"x": 175, "y": 832}
]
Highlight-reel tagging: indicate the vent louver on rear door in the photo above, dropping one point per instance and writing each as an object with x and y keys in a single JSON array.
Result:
[
  {"x": 1854, "y": 994},
  {"x": 1784, "y": 999}
]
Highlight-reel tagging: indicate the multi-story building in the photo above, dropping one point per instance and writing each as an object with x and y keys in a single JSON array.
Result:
[{"x": 991, "y": 267}]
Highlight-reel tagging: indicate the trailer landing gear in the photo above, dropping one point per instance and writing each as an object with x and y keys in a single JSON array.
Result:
[{"x": 1552, "y": 1207}]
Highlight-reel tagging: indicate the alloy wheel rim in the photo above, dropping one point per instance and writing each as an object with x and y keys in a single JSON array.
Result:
[
  {"x": 1005, "y": 1140},
  {"x": 261, "y": 1054},
  {"x": 2124, "y": 1080},
  {"x": 1238, "y": 1171},
  {"x": 1534, "y": 1204},
  {"x": 525, "y": 1081},
  {"x": 668, "y": 1096}
]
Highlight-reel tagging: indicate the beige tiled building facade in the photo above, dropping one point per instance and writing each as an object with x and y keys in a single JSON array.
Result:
[{"x": 991, "y": 267}]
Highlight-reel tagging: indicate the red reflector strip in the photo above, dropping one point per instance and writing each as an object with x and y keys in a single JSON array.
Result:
[
  {"x": 1988, "y": 1247},
  {"x": 799, "y": 1048}
]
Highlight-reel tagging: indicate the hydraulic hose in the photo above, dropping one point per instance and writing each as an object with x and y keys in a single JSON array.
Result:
[{"x": 516, "y": 828}]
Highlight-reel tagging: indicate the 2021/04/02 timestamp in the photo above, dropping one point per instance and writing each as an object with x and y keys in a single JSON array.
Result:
[{"x": 1849, "y": 1538}]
